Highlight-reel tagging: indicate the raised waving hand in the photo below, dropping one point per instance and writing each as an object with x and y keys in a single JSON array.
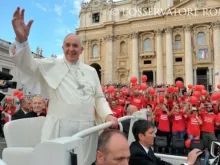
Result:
[{"x": 21, "y": 29}]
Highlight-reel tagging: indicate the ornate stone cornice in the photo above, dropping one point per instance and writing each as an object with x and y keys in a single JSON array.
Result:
[
  {"x": 168, "y": 30},
  {"x": 158, "y": 32},
  {"x": 118, "y": 37},
  {"x": 133, "y": 35},
  {"x": 187, "y": 28},
  {"x": 109, "y": 38},
  {"x": 216, "y": 25}
]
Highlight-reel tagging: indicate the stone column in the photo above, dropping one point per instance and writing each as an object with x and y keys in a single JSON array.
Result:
[
  {"x": 216, "y": 42},
  {"x": 108, "y": 59},
  {"x": 159, "y": 56},
  {"x": 169, "y": 56},
  {"x": 188, "y": 56},
  {"x": 134, "y": 58},
  {"x": 210, "y": 76},
  {"x": 154, "y": 77},
  {"x": 195, "y": 76}
]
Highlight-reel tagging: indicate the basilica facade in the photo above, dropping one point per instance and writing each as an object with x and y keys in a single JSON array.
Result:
[{"x": 167, "y": 40}]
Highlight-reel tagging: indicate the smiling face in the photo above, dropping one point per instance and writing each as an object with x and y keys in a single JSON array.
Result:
[
  {"x": 38, "y": 104},
  {"x": 72, "y": 48}
]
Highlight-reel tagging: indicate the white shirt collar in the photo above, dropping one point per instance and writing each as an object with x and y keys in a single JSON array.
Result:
[
  {"x": 145, "y": 148},
  {"x": 24, "y": 111}
]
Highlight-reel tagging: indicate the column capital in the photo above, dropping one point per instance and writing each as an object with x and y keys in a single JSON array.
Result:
[
  {"x": 158, "y": 32},
  {"x": 109, "y": 38},
  {"x": 187, "y": 28},
  {"x": 133, "y": 35},
  {"x": 216, "y": 25},
  {"x": 168, "y": 30}
]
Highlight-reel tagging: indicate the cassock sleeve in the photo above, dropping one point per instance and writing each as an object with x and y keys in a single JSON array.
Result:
[
  {"x": 101, "y": 104},
  {"x": 27, "y": 70}
]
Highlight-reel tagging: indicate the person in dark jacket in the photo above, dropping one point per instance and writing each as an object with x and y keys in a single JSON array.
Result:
[
  {"x": 126, "y": 123},
  {"x": 141, "y": 151},
  {"x": 38, "y": 105},
  {"x": 24, "y": 109}
]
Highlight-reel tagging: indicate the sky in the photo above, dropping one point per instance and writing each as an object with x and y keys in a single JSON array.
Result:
[{"x": 53, "y": 19}]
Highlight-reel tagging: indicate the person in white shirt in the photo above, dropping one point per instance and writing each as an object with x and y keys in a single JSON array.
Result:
[{"x": 76, "y": 100}]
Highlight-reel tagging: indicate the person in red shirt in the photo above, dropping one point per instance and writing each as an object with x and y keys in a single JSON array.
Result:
[
  {"x": 209, "y": 119},
  {"x": 121, "y": 107},
  {"x": 194, "y": 122},
  {"x": 116, "y": 112},
  {"x": 157, "y": 112},
  {"x": 178, "y": 123},
  {"x": 137, "y": 100},
  {"x": 8, "y": 109},
  {"x": 202, "y": 109},
  {"x": 164, "y": 125}
]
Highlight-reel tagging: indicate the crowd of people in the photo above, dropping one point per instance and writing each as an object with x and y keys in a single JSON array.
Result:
[{"x": 177, "y": 112}]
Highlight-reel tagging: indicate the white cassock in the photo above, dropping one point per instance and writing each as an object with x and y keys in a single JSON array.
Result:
[{"x": 76, "y": 100}]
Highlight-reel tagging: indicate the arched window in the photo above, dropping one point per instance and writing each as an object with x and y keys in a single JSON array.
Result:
[
  {"x": 178, "y": 42},
  {"x": 122, "y": 47},
  {"x": 201, "y": 38},
  {"x": 95, "y": 50},
  {"x": 147, "y": 45}
]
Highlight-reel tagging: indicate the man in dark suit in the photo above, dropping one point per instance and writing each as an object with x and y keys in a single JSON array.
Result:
[
  {"x": 24, "y": 109},
  {"x": 141, "y": 151},
  {"x": 126, "y": 123}
]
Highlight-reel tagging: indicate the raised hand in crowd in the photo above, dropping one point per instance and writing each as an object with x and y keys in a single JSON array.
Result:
[{"x": 20, "y": 28}]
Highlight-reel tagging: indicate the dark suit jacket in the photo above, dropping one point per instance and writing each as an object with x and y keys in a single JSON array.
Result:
[
  {"x": 18, "y": 115},
  {"x": 33, "y": 114},
  {"x": 140, "y": 157},
  {"x": 126, "y": 126}
]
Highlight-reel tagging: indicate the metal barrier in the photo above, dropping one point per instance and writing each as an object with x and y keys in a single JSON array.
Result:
[
  {"x": 137, "y": 115},
  {"x": 79, "y": 136},
  {"x": 59, "y": 151}
]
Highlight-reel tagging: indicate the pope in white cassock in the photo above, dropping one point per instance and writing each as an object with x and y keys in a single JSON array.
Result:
[{"x": 76, "y": 99}]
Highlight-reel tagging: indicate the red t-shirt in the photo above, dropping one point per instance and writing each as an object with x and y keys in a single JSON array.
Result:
[
  {"x": 122, "y": 100},
  {"x": 178, "y": 123},
  {"x": 157, "y": 114},
  {"x": 117, "y": 112},
  {"x": 184, "y": 116},
  {"x": 208, "y": 122},
  {"x": 164, "y": 123},
  {"x": 129, "y": 99},
  {"x": 218, "y": 118},
  {"x": 138, "y": 102},
  {"x": 121, "y": 110},
  {"x": 193, "y": 125}
]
